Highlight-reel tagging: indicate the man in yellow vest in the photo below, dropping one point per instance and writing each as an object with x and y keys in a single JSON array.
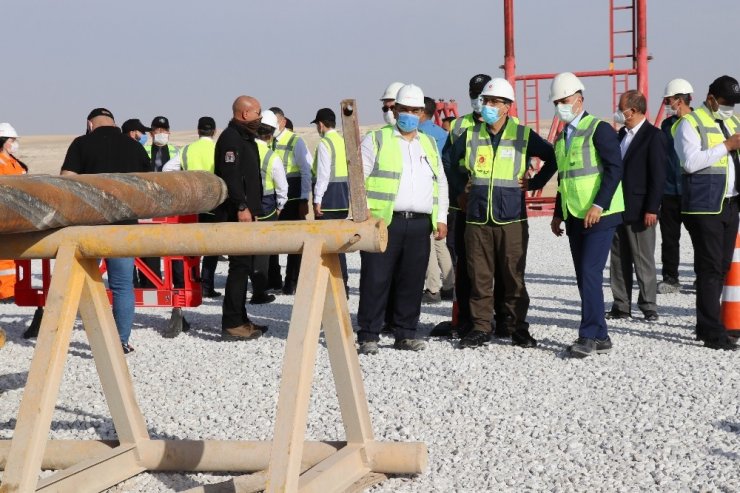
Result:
[
  {"x": 199, "y": 156},
  {"x": 294, "y": 153},
  {"x": 407, "y": 188},
  {"x": 589, "y": 201},
  {"x": 707, "y": 142},
  {"x": 331, "y": 188},
  {"x": 494, "y": 155}
]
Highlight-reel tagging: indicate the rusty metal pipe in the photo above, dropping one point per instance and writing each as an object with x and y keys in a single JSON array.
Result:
[
  {"x": 225, "y": 455},
  {"x": 150, "y": 240},
  {"x": 40, "y": 202}
]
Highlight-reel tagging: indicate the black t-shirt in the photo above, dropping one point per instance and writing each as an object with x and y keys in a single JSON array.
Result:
[{"x": 106, "y": 150}]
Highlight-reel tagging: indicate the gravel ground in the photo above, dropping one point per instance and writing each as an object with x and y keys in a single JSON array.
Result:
[{"x": 660, "y": 413}]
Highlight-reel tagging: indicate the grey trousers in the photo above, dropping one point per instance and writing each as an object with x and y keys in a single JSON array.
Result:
[
  {"x": 633, "y": 244},
  {"x": 440, "y": 274}
]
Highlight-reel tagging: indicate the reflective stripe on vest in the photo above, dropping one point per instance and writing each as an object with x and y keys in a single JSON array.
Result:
[
  {"x": 199, "y": 156},
  {"x": 579, "y": 172},
  {"x": 705, "y": 190},
  {"x": 336, "y": 196},
  {"x": 267, "y": 158},
  {"x": 284, "y": 146},
  {"x": 385, "y": 178},
  {"x": 495, "y": 194}
]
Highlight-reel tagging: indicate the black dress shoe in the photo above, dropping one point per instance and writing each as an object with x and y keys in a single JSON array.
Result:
[
  {"x": 288, "y": 289},
  {"x": 261, "y": 299},
  {"x": 651, "y": 317},
  {"x": 475, "y": 338},
  {"x": 724, "y": 344},
  {"x": 211, "y": 293},
  {"x": 616, "y": 315},
  {"x": 522, "y": 338}
]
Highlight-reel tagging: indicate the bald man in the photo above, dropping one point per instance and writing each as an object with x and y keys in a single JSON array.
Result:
[
  {"x": 104, "y": 149},
  {"x": 238, "y": 164}
]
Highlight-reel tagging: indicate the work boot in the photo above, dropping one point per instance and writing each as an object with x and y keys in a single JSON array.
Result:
[
  {"x": 669, "y": 286},
  {"x": 210, "y": 293},
  {"x": 522, "y": 338},
  {"x": 475, "y": 338},
  {"x": 447, "y": 294},
  {"x": 261, "y": 299},
  {"x": 585, "y": 346},
  {"x": 409, "y": 345},
  {"x": 368, "y": 347},
  {"x": 244, "y": 332},
  {"x": 430, "y": 298}
]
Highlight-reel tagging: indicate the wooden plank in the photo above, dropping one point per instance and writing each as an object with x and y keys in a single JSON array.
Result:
[
  {"x": 351, "y": 134},
  {"x": 105, "y": 344},
  {"x": 337, "y": 473},
  {"x": 47, "y": 367},
  {"x": 345, "y": 364},
  {"x": 97, "y": 474},
  {"x": 297, "y": 373}
]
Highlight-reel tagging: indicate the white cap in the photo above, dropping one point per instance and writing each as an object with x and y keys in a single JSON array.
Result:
[
  {"x": 269, "y": 118},
  {"x": 411, "y": 96},
  {"x": 678, "y": 86},
  {"x": 564, "y": 85},
  {"x": 391, "y": 90},
  {"x": 498, "y": 87},
  {"x": 7, "y": 130}
]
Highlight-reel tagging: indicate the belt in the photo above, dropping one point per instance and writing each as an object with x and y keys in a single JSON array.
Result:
[{"x": 411, "y": 215}]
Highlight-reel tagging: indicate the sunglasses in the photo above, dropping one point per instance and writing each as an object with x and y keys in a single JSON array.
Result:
[{"x": 386, "y": 109}]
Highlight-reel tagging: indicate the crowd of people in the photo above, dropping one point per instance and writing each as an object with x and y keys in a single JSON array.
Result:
[{"x": 453, "y": 198}]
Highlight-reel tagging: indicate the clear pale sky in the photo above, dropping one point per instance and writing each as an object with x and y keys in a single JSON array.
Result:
[{"x": 184, "y": 59}]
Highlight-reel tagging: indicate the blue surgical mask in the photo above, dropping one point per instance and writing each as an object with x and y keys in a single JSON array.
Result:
[
  {"x": 490, "y": 114},
  {"x": 407, "y": 122},
  {"x": 143, "y": 139}
]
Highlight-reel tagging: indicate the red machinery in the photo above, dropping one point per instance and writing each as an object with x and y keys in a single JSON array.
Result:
[
  {"x": 622, "y": 66},
  {"x": 164, "y": 294},
  {"x": 445, "y": 109}
]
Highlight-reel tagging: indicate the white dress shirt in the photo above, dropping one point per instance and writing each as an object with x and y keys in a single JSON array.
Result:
[
  {"x": 688, "y": 149},
  {"x": 416, "y": 190},
  {"x": 281, "y": 182},
  {"x": 323, "y": 170},
  {"x": 305, "y": 161},
  {"x": 628, "y": 136}
]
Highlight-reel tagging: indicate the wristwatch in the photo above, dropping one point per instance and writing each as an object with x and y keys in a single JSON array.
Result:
[{"x": 243, "y": 207}]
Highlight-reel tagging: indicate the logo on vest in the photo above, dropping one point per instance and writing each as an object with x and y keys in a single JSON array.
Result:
[{"x": 230, "y": 157}]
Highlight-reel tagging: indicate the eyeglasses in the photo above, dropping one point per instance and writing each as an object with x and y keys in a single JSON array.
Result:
[{"x": 386, "y": 109}]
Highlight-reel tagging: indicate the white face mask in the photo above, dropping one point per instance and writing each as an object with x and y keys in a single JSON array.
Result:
[
  {"x": 565, "y": 112},
  {"x": 723, "y": 112},
  {"x": 161, "y": 139},
  {"x": 619, "y": 117},
  {"x": 389, "y": 118},
  {"x": 669, "y": 111},
  {"x": 14, "y": 146},
  {"x": 477, "y": 104}
]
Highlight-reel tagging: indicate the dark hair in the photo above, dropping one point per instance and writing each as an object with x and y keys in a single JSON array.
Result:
[
  {"x": 329, "y": 123},
  {"x": 265, "y": 129},
  {"x": 686, "y": 98},
  {"x": 277, "y": 111},
  {"x": 449, "y": 119},
  {"x": 430, "y": 106},
  {"x": 207, "y": 133},
  {"x": 288, "y": 123},
  {"x": 634, "y": 99}
]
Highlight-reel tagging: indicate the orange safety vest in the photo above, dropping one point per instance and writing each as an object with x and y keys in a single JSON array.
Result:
[{"x": 8, "y": 166}]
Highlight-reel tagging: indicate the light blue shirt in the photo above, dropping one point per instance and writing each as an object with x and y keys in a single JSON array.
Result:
[{"x": 572, "y": 126}]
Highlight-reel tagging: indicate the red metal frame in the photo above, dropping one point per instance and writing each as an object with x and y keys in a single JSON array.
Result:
[
  {"x": 445, "y": 109},
  {"x": 621, "y": 76}
]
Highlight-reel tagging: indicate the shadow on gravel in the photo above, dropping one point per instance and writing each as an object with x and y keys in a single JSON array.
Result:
[
  {"x": 550, "y": 279},
  {"x": 728, "y": 426},
  {"x": 651, "y": 334},
  {"x": 183, "y": 482},
  {"x": 13, "y": 381}
]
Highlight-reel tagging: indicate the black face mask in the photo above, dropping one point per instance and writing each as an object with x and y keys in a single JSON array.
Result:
[{"x": 250, "y": 127}]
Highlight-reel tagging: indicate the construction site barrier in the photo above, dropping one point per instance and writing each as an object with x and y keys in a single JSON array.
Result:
[{"x": 731, "y": 294}]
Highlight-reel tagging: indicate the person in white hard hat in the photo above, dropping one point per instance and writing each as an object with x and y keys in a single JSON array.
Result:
[
  {"x": 589, "y": 201},
  {"x": 707, "y": 142},
  {"x": 407, "y": 188},
  {"x": 492, "y": 157},
  {"x": 9, "y": 165},
  {"x": 677, "y": 103},
  {"x": 388, "y": 99}
]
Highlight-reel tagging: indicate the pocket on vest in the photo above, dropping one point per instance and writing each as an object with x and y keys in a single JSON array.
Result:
[
  {"x": 509, "y": 204},
  {"x": 701, "y": 192}
]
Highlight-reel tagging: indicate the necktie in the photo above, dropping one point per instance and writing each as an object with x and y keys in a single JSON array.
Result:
[{"x": 566, "y": 137}]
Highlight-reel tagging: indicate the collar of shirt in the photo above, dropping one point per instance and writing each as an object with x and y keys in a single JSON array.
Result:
[
  {"x": 397, "y": 133},
  {"x": 636, "y": 128},
  {"x": 205, "y": 137},
  {"x": 574, "y": 123},
  {"x": 330, "y": 131}
]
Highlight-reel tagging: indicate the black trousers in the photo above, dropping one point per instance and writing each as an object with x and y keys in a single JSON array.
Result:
[
  {"x": 404, "y": 263},
  {"x": 670, "y": 234},
  {"x": 290, "y": 213},
  {"x": 260, "y": 271},
  {"x": 209, "y": 263},
  {"x": 342, "y": 257},
  {"x": 463, "y": 283},
  {"x": 713, "y": 237},
  {"x": 235, "y": 296}
]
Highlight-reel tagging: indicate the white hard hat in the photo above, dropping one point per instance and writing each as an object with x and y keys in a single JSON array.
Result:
[
  {"x": 7, "y": 130},
  {"x": 410, "y": 95},
  {"x": 564, "y": 85},
  {"x": 500, "y": 88},
  {"x": 269, "y": 118},
  {"x": 678, "y": 86},
  {"x": 392, "y": 90}
]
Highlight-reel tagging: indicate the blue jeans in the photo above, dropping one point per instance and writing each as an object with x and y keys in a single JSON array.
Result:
[{"x": 121, "y": 284}]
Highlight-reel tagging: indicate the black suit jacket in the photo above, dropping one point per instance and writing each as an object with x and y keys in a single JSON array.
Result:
[{"x": 645, "y": 164}]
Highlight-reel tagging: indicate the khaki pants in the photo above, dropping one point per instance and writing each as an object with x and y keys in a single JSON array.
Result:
[
  {"x": 440, "y": 273},
  {"x": 497, "y": 249}
]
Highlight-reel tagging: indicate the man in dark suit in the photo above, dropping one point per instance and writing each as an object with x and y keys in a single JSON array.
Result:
[
  {"x": 644, "y": 156},
  {"x": 589, "y": 201}
]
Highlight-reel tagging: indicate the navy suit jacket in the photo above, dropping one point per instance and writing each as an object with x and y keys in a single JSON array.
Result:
[{"x": 644, "y": 172}]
